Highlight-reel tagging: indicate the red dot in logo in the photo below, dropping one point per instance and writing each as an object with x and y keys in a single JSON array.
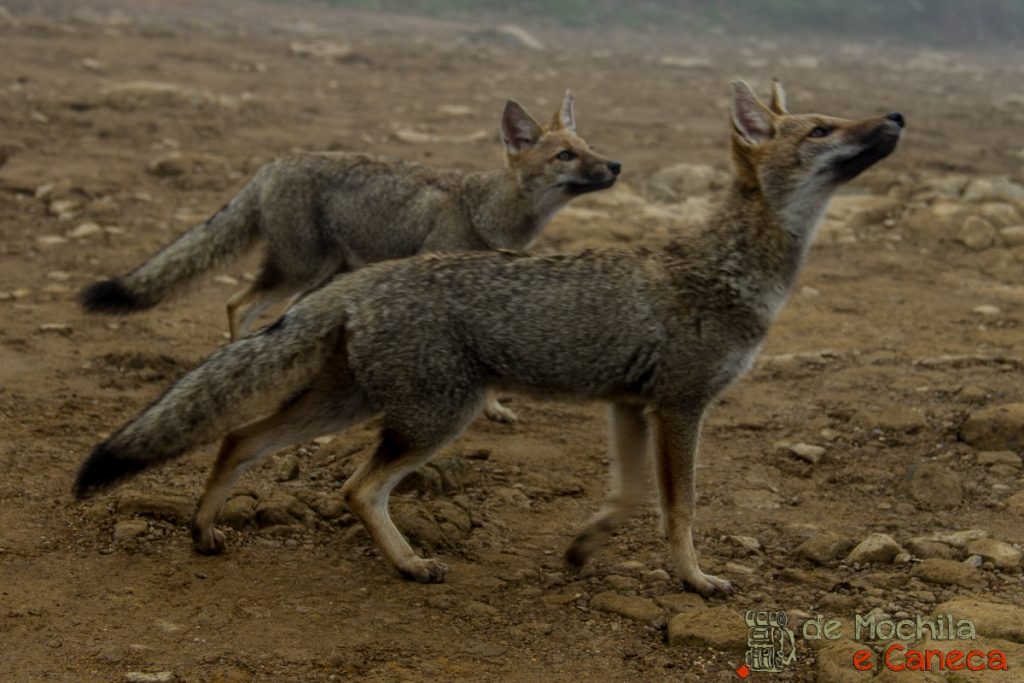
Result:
[{"x": 743, "y": 671}]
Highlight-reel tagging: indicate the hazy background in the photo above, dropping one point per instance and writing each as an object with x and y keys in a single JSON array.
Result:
[{"x": 936, "y": 22}]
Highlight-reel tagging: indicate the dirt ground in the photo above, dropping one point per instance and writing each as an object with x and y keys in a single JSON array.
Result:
[{"x": 905, "y": 322}]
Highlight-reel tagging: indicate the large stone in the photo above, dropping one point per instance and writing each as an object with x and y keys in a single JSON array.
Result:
[
  {"x": 721, "y": 628},
  {"x": 991, "y": 619},
  {"x": 993, "y": 458},
  {"x": 681, "y": 602},
  {"x": 1001, "y": 554},
  {"x": 238, "y": 512},
  {"x": 629, "y": 606},
  {"x": 825, "y": 547},
  {"x": 949, "y": 573},
  {"x": 875, "y": 548},
  {"x": 996, "y": 428},
  {"x": 932, "y": 485},
  {"x": 926, "y": 548},
  {"x": 892, "y": 419}
]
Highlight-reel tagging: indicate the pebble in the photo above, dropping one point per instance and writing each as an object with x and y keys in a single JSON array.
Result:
[
  {"x": 632, "y": 607},
  {"x": 987, "y": 310},
  {"x": 949, "y": 573},
  {"x": 130, "y": 528},
  {"x": 977, "y": 234},
  {"x": 226, "y": 280},
  {"x": 825, "y": 547},
  {"x": 287, "y": 468},
  {"x": 989, "y": 458},
  {"x": 808, "y": 452},
  {"x": 995, "y": 428},
  {"x": 87, "y": 229},
  {"x": 875, "y": 548},
  {"x": 159, "y": 677},
  {"x": 721, "y": 628},
  {"x": 655, "y": 576},
  {"x": 163, "y": 505},
  {"x": 238, "y": 512}
]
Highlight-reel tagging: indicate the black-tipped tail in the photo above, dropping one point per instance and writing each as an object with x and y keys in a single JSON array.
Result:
[
  {"x": 111, "y": 296},
  {"x": 104, "y": 468}
]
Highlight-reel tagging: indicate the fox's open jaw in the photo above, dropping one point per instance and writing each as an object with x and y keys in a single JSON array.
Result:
[
  {"x": 584, "y": 188},
  {"x": 877, "y": 145}
]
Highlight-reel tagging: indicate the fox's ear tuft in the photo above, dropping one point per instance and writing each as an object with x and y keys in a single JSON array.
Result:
[
  {"x": 778, "y": 103},
  {"x": 565, "y": 117},
  {"x": 518, "y": 129},
  {"x": 751, "y": 120}
]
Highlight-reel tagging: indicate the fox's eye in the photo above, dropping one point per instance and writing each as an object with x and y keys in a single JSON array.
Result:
[
  {"x": 566, "y": 155},
  {"x": 819, "y": 132}
]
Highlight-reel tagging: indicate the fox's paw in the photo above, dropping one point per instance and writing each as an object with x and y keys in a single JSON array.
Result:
[
  {"x": 212, "y": 543},
  {"x": 707, "y": 584},
  {"x": 499, "y": 413},
  {"x": 425, "y": 571}
]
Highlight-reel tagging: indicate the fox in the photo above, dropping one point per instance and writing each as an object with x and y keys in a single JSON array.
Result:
[
  {"x": 418, "y": 342},
  {"x": 323, "y": 213}
]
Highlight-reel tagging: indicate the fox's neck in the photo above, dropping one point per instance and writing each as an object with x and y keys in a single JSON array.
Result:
[
  {"x": 501, "y": 213},
  {"x": 756, "y": 248}
]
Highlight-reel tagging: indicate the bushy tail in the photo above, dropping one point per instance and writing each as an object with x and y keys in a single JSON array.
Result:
[
  {"x": 223, "y": 237},
  {"x": 220, "y": 393}
]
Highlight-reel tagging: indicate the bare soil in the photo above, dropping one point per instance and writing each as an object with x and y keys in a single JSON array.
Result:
[{"x": 879, "y": 356}]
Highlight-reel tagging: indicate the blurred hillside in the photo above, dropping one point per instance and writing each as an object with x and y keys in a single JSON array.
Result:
[{"x": 925, "y": 21}]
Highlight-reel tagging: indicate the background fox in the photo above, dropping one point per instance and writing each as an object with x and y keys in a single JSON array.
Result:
[
  {"x": 322, "y": 213},
  {"x": 418, "y": 341}
]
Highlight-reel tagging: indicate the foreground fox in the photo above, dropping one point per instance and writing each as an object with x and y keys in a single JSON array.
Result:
[
  {"x": 418, "y": 342},
  {"x": 320, "y": 213}
]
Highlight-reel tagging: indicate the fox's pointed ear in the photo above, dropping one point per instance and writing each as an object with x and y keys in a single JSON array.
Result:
[
  {"x": 751, "y": 120},
  {"x": 778, "y": 104},
  {"x": 518, "y": 129},
  {"x": 565, "y": 117}
]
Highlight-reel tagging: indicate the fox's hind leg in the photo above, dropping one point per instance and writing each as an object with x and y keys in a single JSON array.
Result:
[
  {"x": 330, "y": 404},
  {"x": 629, "y": 470},
  {"x": 402, "y": 450}
]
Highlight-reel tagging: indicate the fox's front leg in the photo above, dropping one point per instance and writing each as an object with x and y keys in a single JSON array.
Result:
[
  {"x": 497, "y": 412},
  {"x": 676, "y": 434}
]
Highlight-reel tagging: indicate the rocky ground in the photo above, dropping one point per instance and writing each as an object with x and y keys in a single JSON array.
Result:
[{"x": 870, "y": 464}]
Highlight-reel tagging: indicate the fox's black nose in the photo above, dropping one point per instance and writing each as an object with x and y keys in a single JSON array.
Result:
[
  {"x": 614, "y": 167},
  {"x": 898, "y": 118}
]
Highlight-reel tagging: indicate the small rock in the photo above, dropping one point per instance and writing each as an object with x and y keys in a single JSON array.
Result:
[
  {"x": 50, "y": 240},
  {"x": 875, "y": 548},
  {"x": 1015, "y": 503},
  {"x": 1002, "y": 555},
  {"x": 808, "y": 452},
  {"x": 287, "y": 468},
  {"x": 748, "y": 543},
  {"x": 655, "y": 576},
  {"x": 622, "y": 583},
  {"x": 986, "y": 310},
  {"x": 631, "y": 607},
  {"x": 160, "y": 677},
  {"x": 279, "y": 511},
  {"x": 925, "y": 549},
  {"x": 721, "y": 628},
  {"x": 87, "y": 229},
  {"x": 162, "y": 505},
  {"x": 975, "y": 561},
  {"x": 1013, "y": 235},
  {"x": 932, "y": 485},
  {"x": 825, "y": 547},
  {"x": 993, "y": 189},
  {"x": 989, "y": 458},
  {"x": 977, "y": 234},
  {"x": 330, "y": 506},
  {"x": 129, "y": 529},
  {"x": 238, "y": 512},
  {"x": 834, "y": 662},
  {"x": 959, "y": 539},
  {"x": 680, "y": 602},
  {"x": 226, "y": 280},
  {"x": 949, "y": 573},
  {"x": 59, "y": 207},
  {"x": 996, "y": 428}
]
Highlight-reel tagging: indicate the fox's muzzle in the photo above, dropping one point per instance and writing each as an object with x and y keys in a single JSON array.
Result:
[
  {"x": 600, "y": 178},
  {"x": 878, "y": 143}
]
